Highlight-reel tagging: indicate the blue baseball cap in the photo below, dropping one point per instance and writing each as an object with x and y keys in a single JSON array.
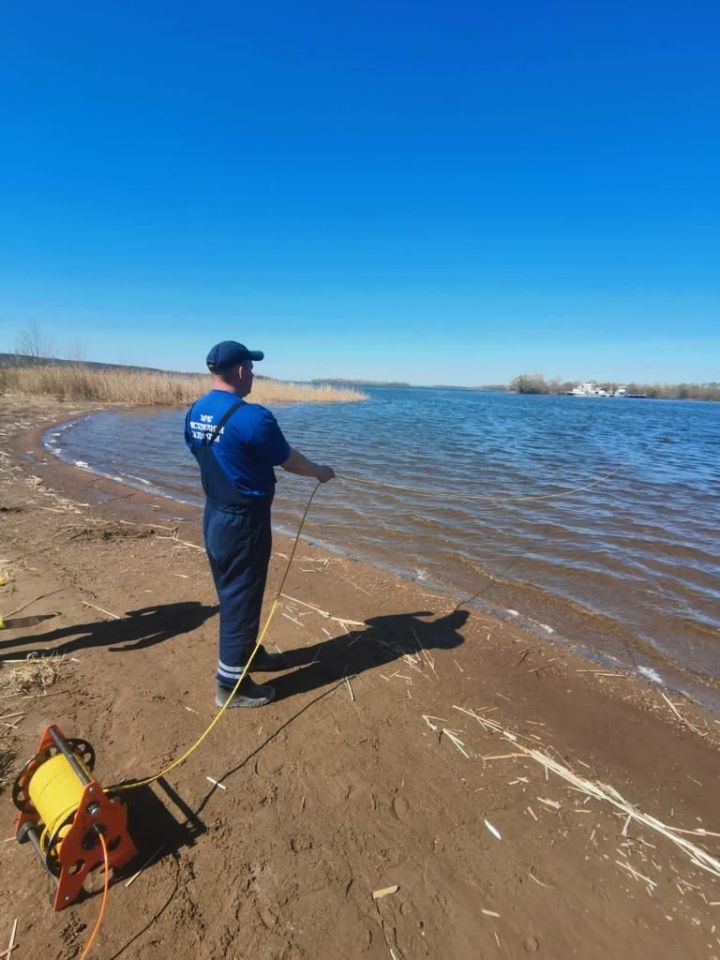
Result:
[{"x": 230, "y": 353}]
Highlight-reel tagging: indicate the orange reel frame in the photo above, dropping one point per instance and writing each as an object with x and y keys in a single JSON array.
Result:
[{"x": 72, "y": 856}]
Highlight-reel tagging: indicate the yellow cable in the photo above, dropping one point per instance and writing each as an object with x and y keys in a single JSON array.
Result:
[
  {"x": 193, "y": 747},
  {"x": 389, "y": 486},
  {"x": 209, "y": 728}
]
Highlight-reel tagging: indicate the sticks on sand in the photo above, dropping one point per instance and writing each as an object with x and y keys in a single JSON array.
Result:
[{"x": 603, "y": 791}]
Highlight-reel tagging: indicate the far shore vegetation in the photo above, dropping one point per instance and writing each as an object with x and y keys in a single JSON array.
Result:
[
  {"x": 33, "y": 371},
  {"x": 78, "y": 381},
  {"x": 536, "y": 383},
  {"x": 339, "y": 381}
]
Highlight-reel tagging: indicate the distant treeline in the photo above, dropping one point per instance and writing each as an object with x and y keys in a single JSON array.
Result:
[
  {"x": 536, "y": 383},
  {"x": 344, "y": 382},
  {"x": 486, "y": 388}
]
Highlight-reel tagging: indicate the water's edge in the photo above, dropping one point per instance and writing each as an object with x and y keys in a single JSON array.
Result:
[{"x": 523, "y": 603}]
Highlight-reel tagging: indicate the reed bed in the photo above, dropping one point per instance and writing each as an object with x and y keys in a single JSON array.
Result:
[{"x": 149, "y": 388}]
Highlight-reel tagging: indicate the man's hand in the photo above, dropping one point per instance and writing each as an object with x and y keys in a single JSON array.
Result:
[{"x": 325, "y": 473}]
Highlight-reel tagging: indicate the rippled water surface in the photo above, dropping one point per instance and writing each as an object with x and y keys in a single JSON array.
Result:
[{"x": 641, "y": 550}]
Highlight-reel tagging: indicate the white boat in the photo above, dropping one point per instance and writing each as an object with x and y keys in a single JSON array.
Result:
[{"x": 588, "y": 389}]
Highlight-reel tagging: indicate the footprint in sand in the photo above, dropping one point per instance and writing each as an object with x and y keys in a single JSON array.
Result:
[{"x": 400, "y": 807}]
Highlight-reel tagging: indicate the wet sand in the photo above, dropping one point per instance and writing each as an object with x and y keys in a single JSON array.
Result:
[{"x": 337, "y": 789}]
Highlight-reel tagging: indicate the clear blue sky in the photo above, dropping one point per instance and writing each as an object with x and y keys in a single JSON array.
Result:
[{"x": 433, "y": 192}]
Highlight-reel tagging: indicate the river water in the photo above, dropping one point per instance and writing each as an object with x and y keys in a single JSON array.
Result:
[{"x": 628, "y": 570}]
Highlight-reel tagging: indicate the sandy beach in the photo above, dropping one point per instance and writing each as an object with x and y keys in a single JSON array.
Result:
[{"x": 503, "y": 785}]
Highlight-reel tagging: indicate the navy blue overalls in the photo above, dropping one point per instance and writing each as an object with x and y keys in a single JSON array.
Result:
[{"x": 238, "y": 540}]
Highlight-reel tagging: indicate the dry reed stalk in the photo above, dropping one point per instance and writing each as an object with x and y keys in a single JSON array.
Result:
[
  {"x": 697, "y": 832},
  {"x": 539, "y": 882},
  {"x": 428, "y": 720},
  {"x": 424, "y": 654},
  {"x": 603, "y": 791},
  {"x": 352, "y": 583},
  {"x": 216, "y": 783},
  {"x": 680, "y": 717},
  {"x": 501, "y": 756},
  {"x": 636, "y": 874},
  {"x": 29, "y": 603},
  {"x": 288, "y": 617},
  {"x": 385, "y": 891},
  {"x": 113, "y": 616},
  {"x": 147, "y": 863},
  {"x": 456, "y": 742},
  {"x": 450, "y": 734},
  {"x": 324, "y": 613},
  {"x": 182, "y": 543},
  {"x": 11, "y": 943},
  {"x": 410, "y": 659}
]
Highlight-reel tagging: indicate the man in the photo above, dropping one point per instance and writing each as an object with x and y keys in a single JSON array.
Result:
[{"x": 237, "y": 445}]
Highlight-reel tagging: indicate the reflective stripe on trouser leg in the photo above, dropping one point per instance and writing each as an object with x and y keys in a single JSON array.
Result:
[{"x": 238, "y": 545}]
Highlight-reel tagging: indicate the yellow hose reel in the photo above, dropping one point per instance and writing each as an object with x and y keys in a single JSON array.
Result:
[{"x": 62, "y": 811}]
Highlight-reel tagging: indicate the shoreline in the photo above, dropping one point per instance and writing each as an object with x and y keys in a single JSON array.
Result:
[
  {"x": 343, "y": 795},
  {"x": 603, "y": 639}
]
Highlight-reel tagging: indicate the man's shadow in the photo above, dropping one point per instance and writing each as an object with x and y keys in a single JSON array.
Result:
[
  {"x": 135, "y": 631},
  {"x": 382, "y": 641}
]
